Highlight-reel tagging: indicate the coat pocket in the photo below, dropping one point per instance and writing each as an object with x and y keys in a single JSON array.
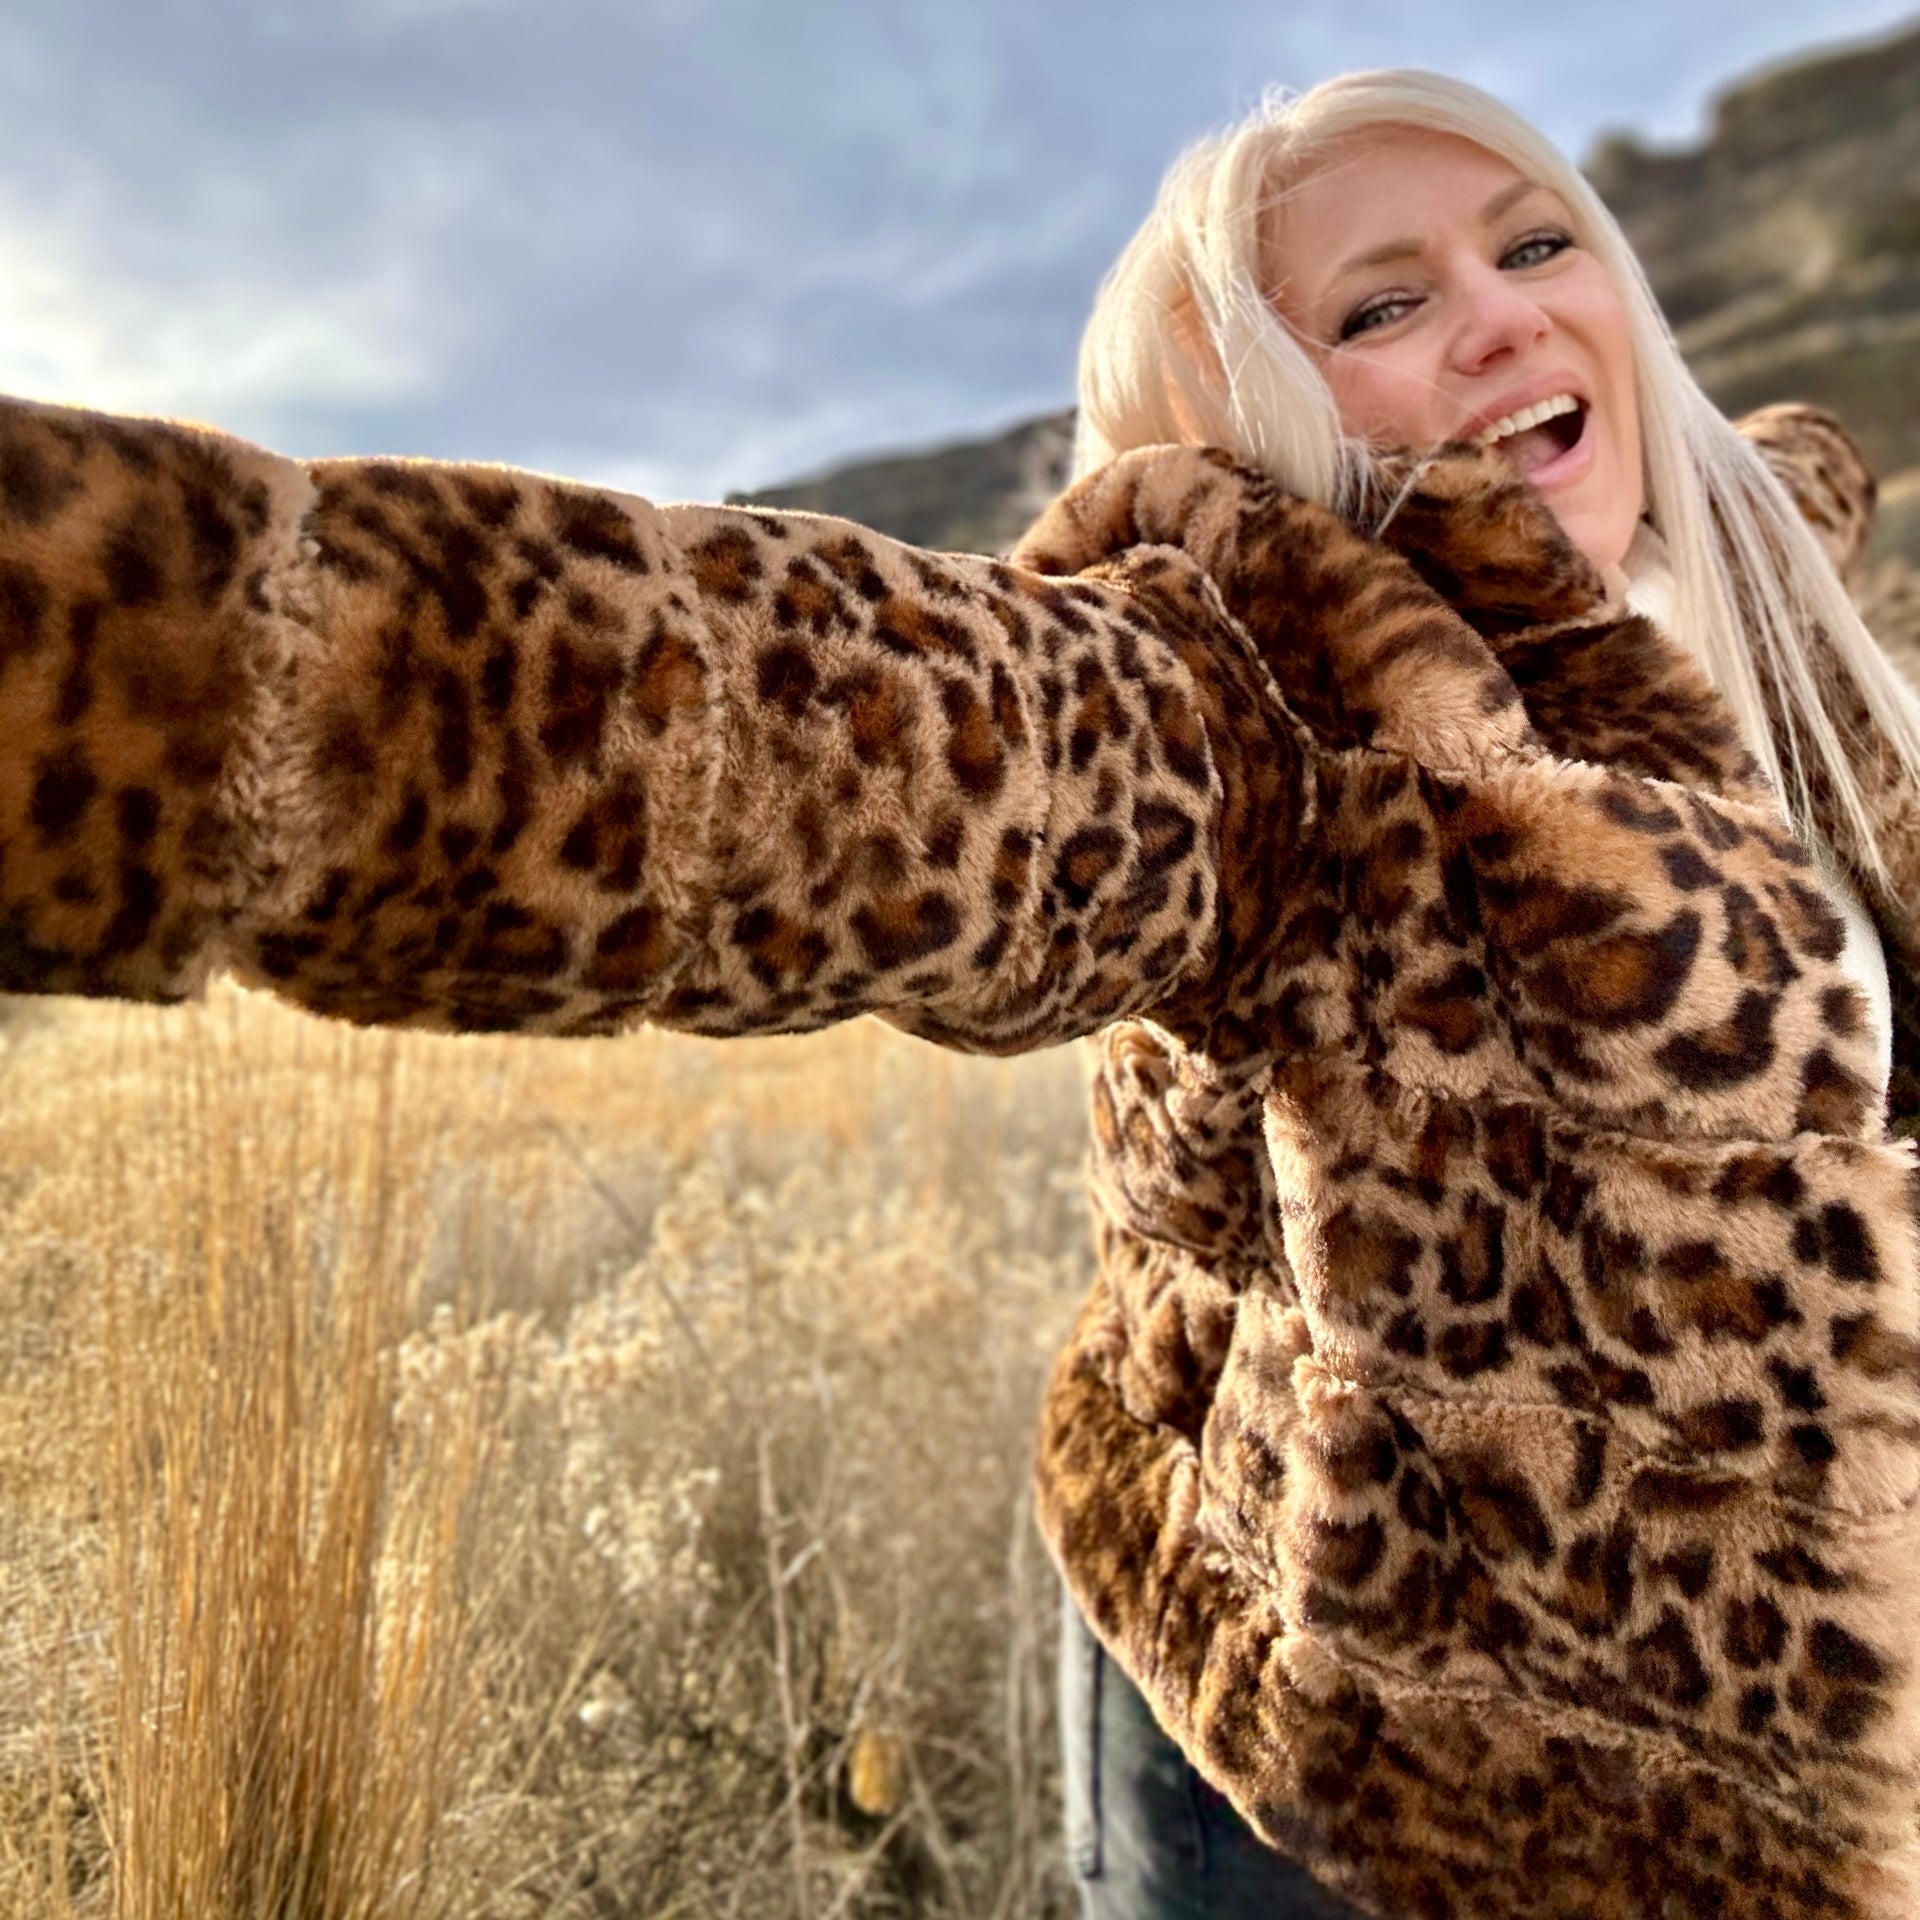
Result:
[{"x": 1475, "y": 1548}]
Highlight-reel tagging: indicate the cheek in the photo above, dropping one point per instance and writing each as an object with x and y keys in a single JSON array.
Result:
[
  {"x": 1603, "y": 318},
  {"x": 1380, "y": 401},
  {"x": 1616, "y": 353}
]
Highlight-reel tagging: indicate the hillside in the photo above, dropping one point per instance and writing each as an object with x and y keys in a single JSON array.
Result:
[{"x": 1784, "y": 248}]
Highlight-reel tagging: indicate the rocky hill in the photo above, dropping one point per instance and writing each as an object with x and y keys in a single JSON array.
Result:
[
  {"x": 1784, "y": 248},
  {"x": 974, "y": 497}
]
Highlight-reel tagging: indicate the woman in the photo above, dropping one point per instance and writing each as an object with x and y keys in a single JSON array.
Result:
[
  {"x": 1490, "y": 1445},
  {"x": 1281, "y": 248}
]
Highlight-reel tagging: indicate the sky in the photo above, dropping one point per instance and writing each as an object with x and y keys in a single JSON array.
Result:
[{"x": 684, "y": 246}]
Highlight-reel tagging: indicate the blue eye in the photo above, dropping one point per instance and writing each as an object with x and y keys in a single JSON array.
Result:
[
  {"x": 1553, "y": 242},
  {"x": 1359, "y": 320}
]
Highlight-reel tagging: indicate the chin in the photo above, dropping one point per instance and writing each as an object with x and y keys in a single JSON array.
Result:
[{"x": 1603, "y": 540}]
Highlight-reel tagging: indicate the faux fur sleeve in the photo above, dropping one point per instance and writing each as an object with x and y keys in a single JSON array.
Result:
[
  {"x": 1828, "y": 478},
  {"x": 469, "y": 748},
  {"x": 1823, "y": 470}
]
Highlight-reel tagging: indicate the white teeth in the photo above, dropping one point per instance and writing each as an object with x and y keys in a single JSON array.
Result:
[{"x": 1512, "y": 423}]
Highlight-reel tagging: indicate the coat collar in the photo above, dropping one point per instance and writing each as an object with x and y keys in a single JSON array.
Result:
[
  {"x": 1545, "y": 650},
  {"x": 1601, "y": 680},
  {"x": 1545, "y": 654},
  {"x": 1484, "y": 540}
]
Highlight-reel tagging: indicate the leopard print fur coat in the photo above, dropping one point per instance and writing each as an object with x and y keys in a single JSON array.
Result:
[{"x": 1493, "y": 1441}]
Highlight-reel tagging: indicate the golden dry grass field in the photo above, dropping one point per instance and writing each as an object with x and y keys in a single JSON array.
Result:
[{"x": 498, "y": 1479}]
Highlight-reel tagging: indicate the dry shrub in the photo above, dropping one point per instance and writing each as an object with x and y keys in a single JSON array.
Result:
[{"x": 508, "y": 1478}]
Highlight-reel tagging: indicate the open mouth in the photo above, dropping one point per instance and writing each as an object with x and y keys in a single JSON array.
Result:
[{"x": 1536, "y": 448}]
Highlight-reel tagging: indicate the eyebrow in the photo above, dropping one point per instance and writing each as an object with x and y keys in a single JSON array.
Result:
[{"x": 1411, "y": 249}]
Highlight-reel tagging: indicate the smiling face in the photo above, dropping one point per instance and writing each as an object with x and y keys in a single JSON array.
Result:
[{"x": 1443, "y": 297}]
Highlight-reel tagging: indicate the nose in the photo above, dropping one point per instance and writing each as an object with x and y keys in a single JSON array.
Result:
[{"x": 1496, "y": 316}]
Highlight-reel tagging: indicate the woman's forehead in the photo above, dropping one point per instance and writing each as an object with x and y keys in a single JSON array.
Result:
[
  {"x": 1371, "y": 195},
  {"x": 1374, "y": 172}
]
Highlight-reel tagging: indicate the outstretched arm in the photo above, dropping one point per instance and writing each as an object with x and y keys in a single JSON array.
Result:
[{"x": 464, "y": 747}]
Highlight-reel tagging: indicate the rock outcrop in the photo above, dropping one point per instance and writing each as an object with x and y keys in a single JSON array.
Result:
[{"x": 1785, "y": 250}]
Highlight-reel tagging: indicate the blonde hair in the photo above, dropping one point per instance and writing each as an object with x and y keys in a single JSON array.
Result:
[{"x": 1185, "y": 344}]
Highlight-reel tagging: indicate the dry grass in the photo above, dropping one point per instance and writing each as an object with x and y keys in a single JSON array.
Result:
[{"x": 512, "y": 1479}]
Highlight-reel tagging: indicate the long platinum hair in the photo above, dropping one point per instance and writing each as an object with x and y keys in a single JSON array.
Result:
[{"x": 1185, "y": 344}]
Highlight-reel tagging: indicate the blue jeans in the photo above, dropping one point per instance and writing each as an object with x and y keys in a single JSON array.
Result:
[{"x": 1147, "y": 1837}]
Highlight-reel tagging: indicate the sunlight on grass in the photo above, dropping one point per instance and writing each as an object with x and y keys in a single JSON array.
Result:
[{"x": 520, "y": 1478}]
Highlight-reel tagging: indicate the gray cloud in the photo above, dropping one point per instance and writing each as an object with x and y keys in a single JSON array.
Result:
[{"x": 678, "y": 245}]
